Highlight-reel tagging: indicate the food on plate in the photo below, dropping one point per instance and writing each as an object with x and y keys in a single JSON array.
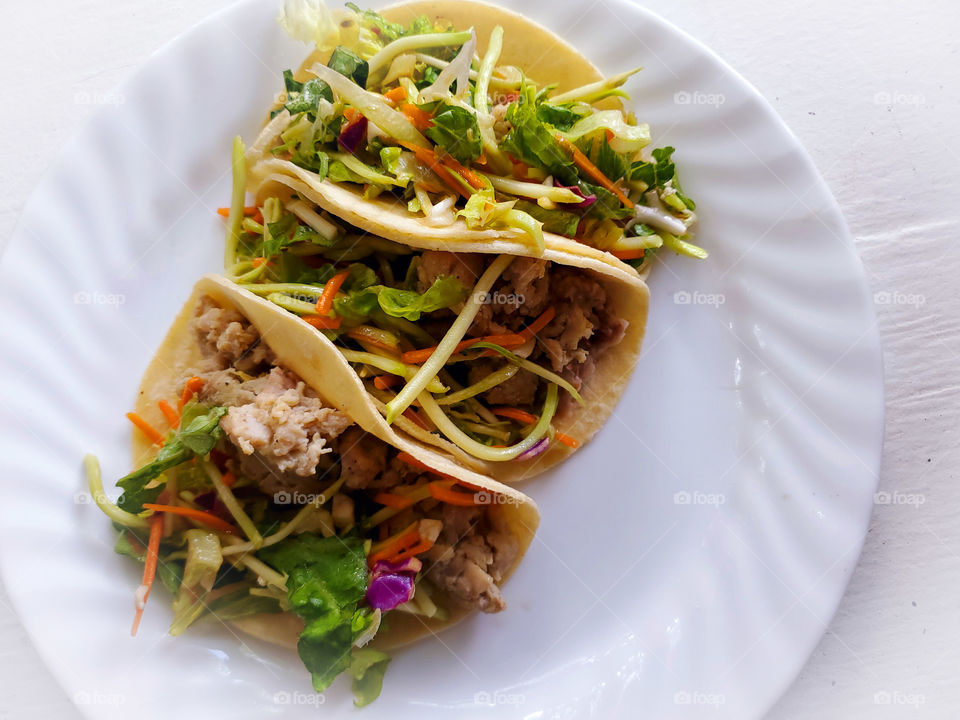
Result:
[
  {"x": 463, "y": 124},
  {"x": 268, "y": 494}
]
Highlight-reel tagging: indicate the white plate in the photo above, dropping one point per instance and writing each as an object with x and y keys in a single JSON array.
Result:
[{"x": 689, "y": 558}]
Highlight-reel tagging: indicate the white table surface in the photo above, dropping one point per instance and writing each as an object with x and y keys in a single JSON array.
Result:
[{"x": 871, "y": 89}]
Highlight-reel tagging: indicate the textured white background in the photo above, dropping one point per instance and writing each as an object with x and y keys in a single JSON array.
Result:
[{"x": 872, "y": 92}]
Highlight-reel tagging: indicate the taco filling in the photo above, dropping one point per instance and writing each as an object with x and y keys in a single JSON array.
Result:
[
  {"x": 485, "y": 351},
  {"x": 263, "y": 499},
  {"x": 415, "y": 115}
]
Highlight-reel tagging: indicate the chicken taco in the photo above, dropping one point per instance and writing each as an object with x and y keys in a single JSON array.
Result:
[
  {"x": 505, "y": 363},
  {"x": 267, "y": 496},
  {"x": 459, "y": 123}
]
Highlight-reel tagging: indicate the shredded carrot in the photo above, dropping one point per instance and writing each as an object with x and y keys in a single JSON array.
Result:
[
  {"x": 473, "y": 180},
  {"x": 257, "y": 262},
  {"x": 258, "y": 217},
  {"x": 515, "y": 414},
  {"x": 539, "y": 324},
  {"x": 420, "y": 547},
  {"x": 396, "y": 94},
  {"x": 429, "y": 158},
  {"x": 153, "y": 435},
  {"x": 528, "y": 419},
  {"x": 421, "y": 119},
  {"x": 350, "y": 114},
  {"x": 411, "y": 415},
  {"x": 323, "y": 323},
  {"x": 329, "y": 292},
  {"x": 225, "y": 211},
  {"x": 520, "y": 170},
  {"x": 416, "y": 357},
  {"x": 510, "y": 340},
  {"x": 635, "y": 254},
  {"x": 385, "y": 382},
  {"x": 172, "y": 416},
  {"x": 149, "y": 567},
  {"x": 583, "y": 162},
  {"x": 392, "y": 500},
  {"x": 443, "y": 492},
  {"x": 191, "y": 388},
  {"x": 200, "y": 516},
  {"x": 413, "y": 462},
  {"x": 394, "y": 544},
  {"x": 566, "y": 440},
  {"x": 229, "y": 479}
]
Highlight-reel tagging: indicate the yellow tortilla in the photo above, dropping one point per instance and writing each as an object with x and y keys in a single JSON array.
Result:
[
  {"x": 321, "y": 366},
  {"x": 546, "y": 58},
  {"x": 543, "y": 57}
]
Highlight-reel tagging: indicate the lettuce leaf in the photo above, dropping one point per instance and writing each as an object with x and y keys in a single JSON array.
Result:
[
  {"x": 659, "y": 173},
  {"x": 626, "y": 139},
  {"x": 445, "y": 292},
  {"x": 367, "y": 669},
  {"x": 607, "y": 206},
  {"x": 346, "y": 62},
  {"x": 611, "y": 163},
  {"x": 456, "y": 130},
  {"x": 532, "y": 142},
  {"x": 559, "y": 222},
  {"x": 305, "y": 97},
  {"x": 355, "y": 307},
  {"x": 327, "y": 578},
  {"x": 562, "y": 117},
  {"x": 199, "y": 432}
]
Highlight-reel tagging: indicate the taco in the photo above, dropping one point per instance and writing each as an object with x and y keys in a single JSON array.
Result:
[
  {"x": 505, "y": 363},
  {"x": 279, "y": 502},
  {"x": 460, "y": 123}
]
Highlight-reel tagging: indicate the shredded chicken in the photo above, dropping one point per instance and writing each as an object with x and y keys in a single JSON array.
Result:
[
  {"x": 286, "y": 423},
  {"x": 363, "y": 458},
  {"x": 465, "y": 267},
  {"x": 471, "y": 556},
  {"x": 227, "y": 339},
  {"x": 519, "y": 390}
]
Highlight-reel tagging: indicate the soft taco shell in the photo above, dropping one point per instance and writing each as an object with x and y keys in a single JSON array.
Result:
[
  {"x": 320, "y": 366},
  {"x": 537, "y": 51}
]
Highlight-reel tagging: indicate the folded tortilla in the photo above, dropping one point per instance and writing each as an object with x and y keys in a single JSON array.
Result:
[
  {"x": 540, "y": 54},
  {"x": 526, "y": 45},
  {"x": 322, "y": 368}
]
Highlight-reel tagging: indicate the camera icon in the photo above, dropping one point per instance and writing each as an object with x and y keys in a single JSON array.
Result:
[
  {"x": 682, "y": 98},
  {"x": 682, "y": 498},
  {"x": 681, "y": 297},
  {"x": 282, "y": 498}
]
